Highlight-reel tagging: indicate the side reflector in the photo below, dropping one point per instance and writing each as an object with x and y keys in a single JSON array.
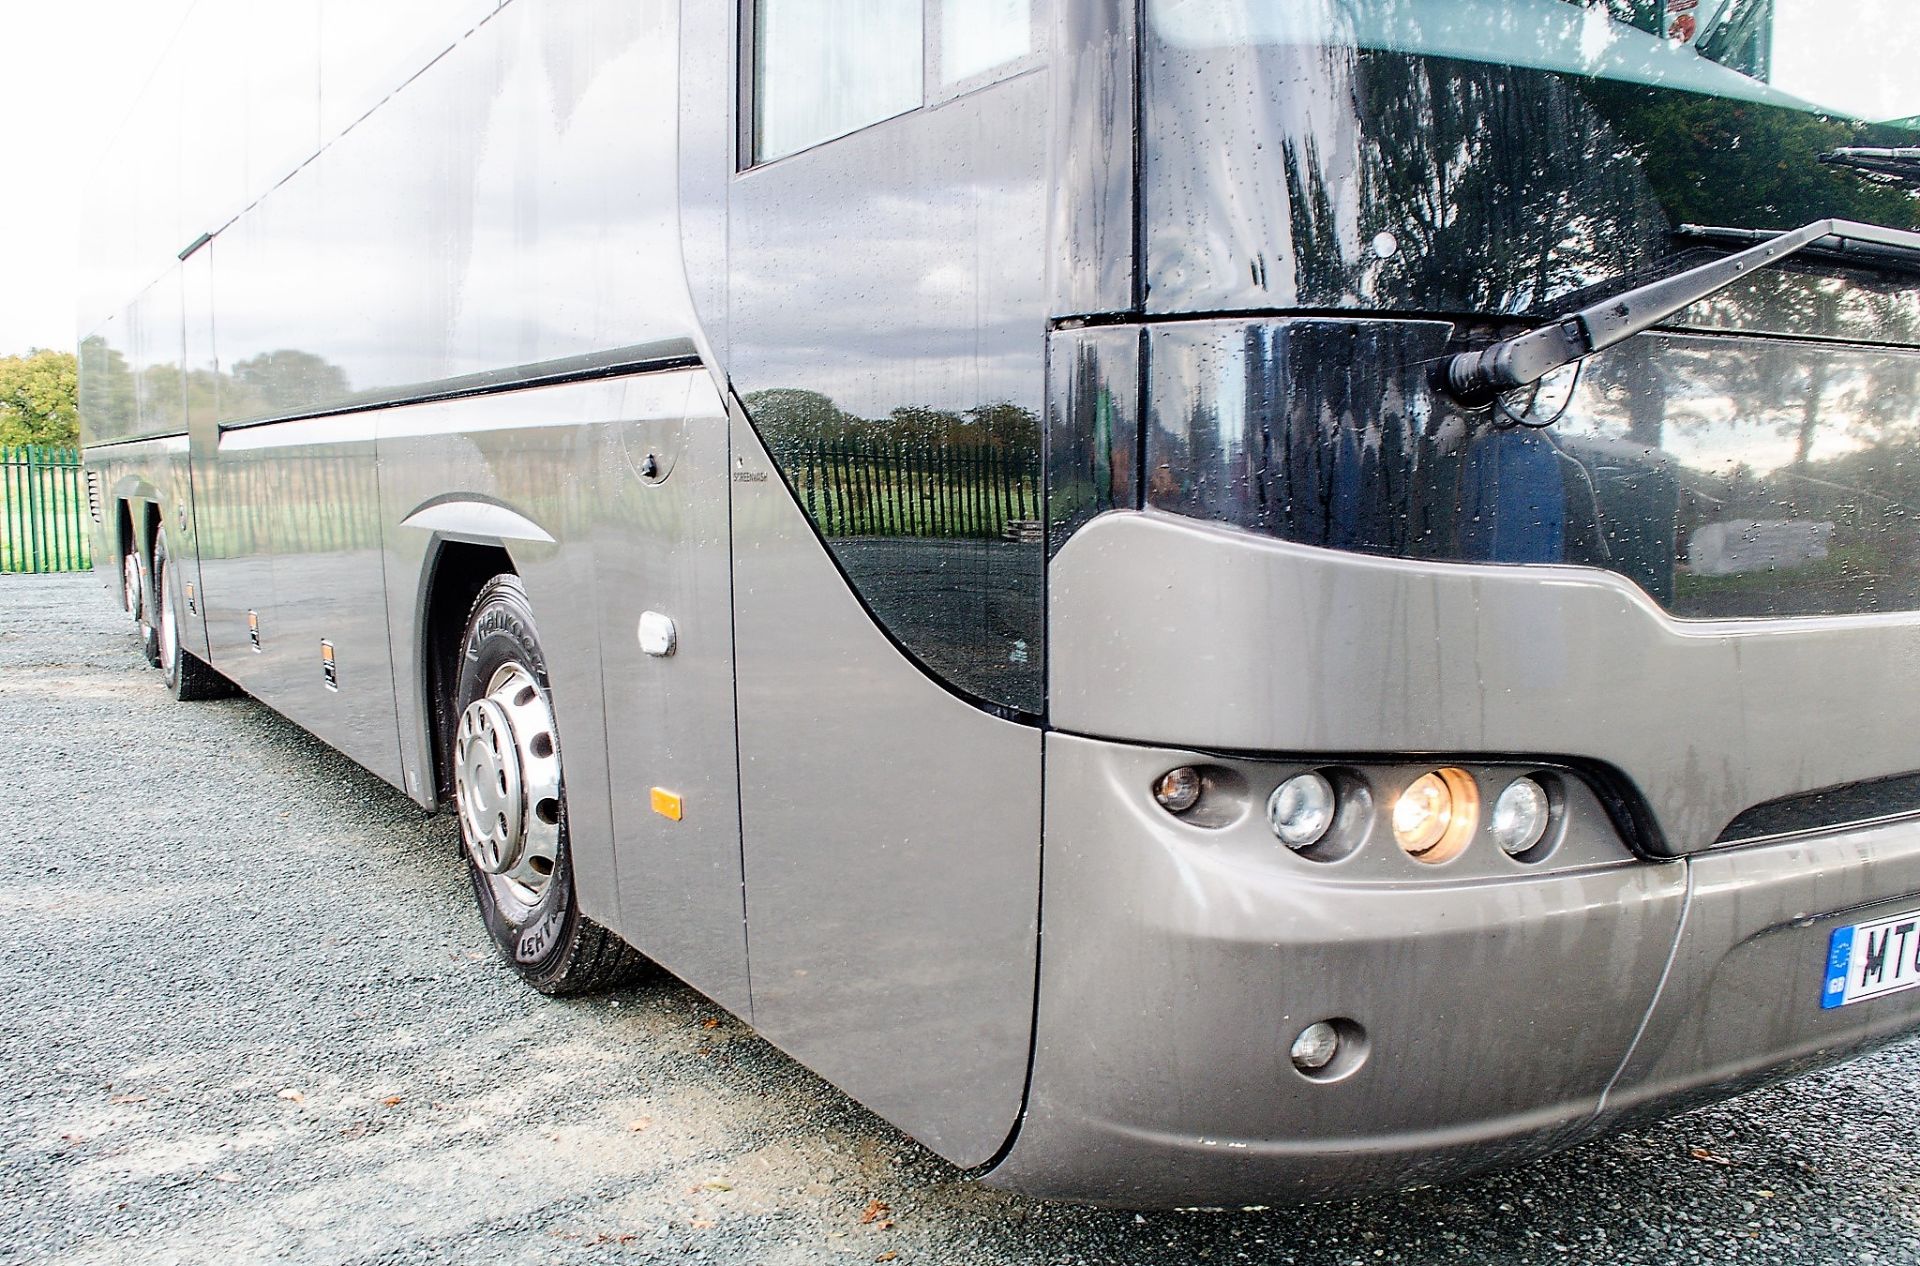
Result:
[{"x": 666, "y": 803}]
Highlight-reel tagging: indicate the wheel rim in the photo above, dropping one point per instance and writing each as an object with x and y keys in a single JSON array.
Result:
[
  {"x": 507, "y": 787},
  {"x": 169, "y": 627},
  {"x": 130, "y": 584}
]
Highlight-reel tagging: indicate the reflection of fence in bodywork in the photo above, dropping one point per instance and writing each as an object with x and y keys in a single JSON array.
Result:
[
  {"x": 43, "y": 510},
  {"x": 300, "y": 503},
  {"x": 861, "y": 488}
]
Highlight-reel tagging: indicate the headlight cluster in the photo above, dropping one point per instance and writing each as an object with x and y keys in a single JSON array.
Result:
[{"x": 1433, "y": 816}]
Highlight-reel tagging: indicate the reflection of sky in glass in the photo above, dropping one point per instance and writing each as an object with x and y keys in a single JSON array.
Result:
[
  {"x": 1728, "y": 406},
  {"x": 1858, "y": 58},
  {"x": 977, "y": 35},
  {"x": 828, "y": 67}
]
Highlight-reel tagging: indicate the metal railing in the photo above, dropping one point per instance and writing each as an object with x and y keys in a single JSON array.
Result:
[
  {"x": 878, "y": 488},
  {"x": 43, "y": 510}
]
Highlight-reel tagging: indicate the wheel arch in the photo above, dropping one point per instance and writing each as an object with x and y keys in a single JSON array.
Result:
[{"x": 451, "y": 578}]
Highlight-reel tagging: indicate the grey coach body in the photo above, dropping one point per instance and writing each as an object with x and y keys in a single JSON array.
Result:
[{"x": 1031, "y": 621}]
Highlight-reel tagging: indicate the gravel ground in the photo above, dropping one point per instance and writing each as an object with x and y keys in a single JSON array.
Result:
[{"x": 252, "y": 1016}]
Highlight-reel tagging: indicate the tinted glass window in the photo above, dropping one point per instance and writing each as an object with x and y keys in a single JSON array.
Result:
[
  {"x": 1504, "y": 156},
  {"x": 1438, "y": 167},
  {"x": 824, "y": 68}
]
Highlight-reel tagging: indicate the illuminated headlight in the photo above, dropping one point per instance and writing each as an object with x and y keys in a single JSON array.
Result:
[
  {"x": 1300, "y": 810},
  {"x": 1435, "y": 816},
  {"x": 1520, "y": 816}
]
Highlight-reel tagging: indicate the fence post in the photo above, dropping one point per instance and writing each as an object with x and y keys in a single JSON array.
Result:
[{"x": 33, "y": 511}]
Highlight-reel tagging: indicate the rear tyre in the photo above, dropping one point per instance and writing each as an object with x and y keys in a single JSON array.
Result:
[
  {"x": 188, "y": 677},
  {"x": 510, "y": 797},
  {"x": 134, "y": 592}
]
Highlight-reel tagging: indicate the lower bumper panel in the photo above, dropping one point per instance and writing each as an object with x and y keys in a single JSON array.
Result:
[{"x": 1503, "y": 1017}]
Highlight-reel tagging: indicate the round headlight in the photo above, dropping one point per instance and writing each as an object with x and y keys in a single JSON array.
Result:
[
  {"x": 1178, "y": 789},
  {"x": 1316, "y": 1046},
  {"x": 1300, "y": 810},
  {"x": 1434, "y": 817},
  {"x": 1520, "y": 816}
]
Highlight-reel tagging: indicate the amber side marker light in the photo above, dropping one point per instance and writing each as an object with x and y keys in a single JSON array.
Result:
[
  {"x": 666, "y": 803},
  {"x": 1435, "y": 817}
]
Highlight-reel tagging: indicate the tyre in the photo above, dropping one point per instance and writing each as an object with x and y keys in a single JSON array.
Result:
[
  {"x": 188, "y": 677},
  {"x": 510, "y": 796},
  {"x": 134, "y": 593}
]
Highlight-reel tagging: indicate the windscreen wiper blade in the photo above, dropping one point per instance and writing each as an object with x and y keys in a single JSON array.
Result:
[
  {"x": 1475, "y": 378},
  {"x": 1892, "y": 164},
  {"x": 1877, "y": 256}
]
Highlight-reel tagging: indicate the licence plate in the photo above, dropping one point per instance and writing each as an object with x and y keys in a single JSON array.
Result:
[{"x": 1866, "y": 960}]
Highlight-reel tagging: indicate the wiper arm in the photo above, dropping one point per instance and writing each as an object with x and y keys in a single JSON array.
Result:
[{"x": 1475, "y": 378}]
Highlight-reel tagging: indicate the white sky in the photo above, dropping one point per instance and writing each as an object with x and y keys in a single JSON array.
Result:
[{"x": 69, "y": 73}]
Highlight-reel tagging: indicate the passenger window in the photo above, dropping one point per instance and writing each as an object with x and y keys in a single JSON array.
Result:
[
  {"x": 978, "y": 36},
  {"x": 824, "y": 68}
]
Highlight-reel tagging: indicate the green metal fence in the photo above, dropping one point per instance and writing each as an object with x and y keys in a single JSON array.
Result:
[{"x": 43, "y": 510}]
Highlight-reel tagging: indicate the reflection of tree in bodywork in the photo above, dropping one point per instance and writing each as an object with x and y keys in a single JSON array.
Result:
[
  {"x": 283, "y": 380},
  {"x": 935, "y": 516}
]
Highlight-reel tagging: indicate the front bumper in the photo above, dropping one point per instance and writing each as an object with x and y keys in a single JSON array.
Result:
[{"x": 1507, "y": 1012}]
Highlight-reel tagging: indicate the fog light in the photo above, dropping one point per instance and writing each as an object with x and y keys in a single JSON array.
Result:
[
  {"x": 1520, "y": 814},
  {"x": 1434, "y": 817},
  {"x": 1316, "y": 1046},
  {"x": 1301, "y": 809},
  {"x": 1178, "y": 789}
]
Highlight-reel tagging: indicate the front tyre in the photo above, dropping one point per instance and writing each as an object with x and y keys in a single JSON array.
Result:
[
  {"x": 188, "y": 677},
  {"x": 510, "y": 795}
]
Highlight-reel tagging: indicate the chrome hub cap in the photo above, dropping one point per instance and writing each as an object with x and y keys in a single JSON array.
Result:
[
  {"x": 507, "y": 786},
  {"x": 169, "y": 626}
]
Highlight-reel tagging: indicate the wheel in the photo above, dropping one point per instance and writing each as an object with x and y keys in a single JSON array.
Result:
[
  {"x": 188, "y": 676},
  {"x": 130, "y": 597},
  {"x": 134, "y": 591},
  {"x": 511, "y": 800}
]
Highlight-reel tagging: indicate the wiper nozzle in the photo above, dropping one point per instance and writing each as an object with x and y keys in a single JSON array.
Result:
[{"x": 1475, "y": 379}]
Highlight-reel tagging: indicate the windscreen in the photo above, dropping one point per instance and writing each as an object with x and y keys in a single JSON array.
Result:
[
  {"x": 1499, "y": 156},
  {"x": 1378, "y": 184}
]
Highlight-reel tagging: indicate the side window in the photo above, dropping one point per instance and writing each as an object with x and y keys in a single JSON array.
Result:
[
  {"x": 824, "y": 68},
  {"x": 977, "y": 41}
]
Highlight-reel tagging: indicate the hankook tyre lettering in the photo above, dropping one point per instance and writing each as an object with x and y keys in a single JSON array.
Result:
[{"x": 510, "y": 798}]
